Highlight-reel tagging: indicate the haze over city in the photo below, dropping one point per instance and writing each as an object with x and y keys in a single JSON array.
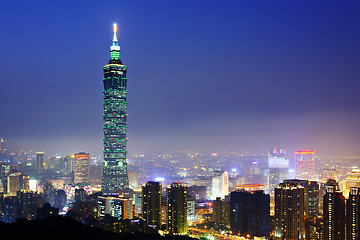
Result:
[
  {"x": 180, "y": 120},
  {"x": 210, "y": 76}
]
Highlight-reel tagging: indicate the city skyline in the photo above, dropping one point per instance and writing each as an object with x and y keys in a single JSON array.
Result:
[
  {"x": 287, "y": 76},
  {"x": 239, "y": 119}
]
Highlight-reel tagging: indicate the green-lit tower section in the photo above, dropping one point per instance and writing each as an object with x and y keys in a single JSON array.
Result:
[{"x": 115, "y": 175}]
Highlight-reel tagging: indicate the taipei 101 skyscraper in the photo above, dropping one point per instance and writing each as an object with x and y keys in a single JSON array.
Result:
[{"x": 115, "y": 174}]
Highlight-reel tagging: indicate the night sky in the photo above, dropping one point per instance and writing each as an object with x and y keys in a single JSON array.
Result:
[{"x": 206, "y": 76}]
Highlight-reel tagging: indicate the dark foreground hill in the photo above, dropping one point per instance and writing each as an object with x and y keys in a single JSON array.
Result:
[{"x": 68, "y": 228}]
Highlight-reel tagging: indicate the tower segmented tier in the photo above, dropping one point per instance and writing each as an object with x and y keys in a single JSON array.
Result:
[{"x": 115, "y": 175}]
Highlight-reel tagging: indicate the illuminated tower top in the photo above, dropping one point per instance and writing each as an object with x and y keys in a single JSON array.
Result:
[{"x": 115, "y": 48}]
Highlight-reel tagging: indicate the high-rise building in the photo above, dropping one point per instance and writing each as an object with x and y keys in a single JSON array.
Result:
[
  {"x": 115, "y": 175},
  {"x": 250, "y": 213},
  {"x": 68, "y": 164},
  {"x": 353, "y": 215},
  {"x": 40, "y": 161},
  {"x": 82, "y": 168},
  {"x": 313, "y": 202},
  {"x": 334, "y": 213},
  {"x": 4, "y": 171},
  {"x": 352, "y": 180},
  {"x": 176, "y": 201},
  {"x": 3, "y": 150},
  {"x": 118, "y": 207},
  {"x": 151, "y": 203},
  {"x": 305, "y": 164},
  {"x": 220, "y": 185},
  {"x": 221, "y": 212},
  {"x": 2, "y": 145},
  {"x": 16, "y": 182},
  {"x": 305, "y": 184},
  {"x": 289, "y": 218},
  {"x": 326, "y": 174},
  {"x": 190, "y": 208},
  {"x": 27, "y": 204},
  {"x": 80, "y": 195},
  {"x": 278, "y": 165}
]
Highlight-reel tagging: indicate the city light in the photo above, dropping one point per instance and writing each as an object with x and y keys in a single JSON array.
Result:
[{"x": 227, "y": 101}]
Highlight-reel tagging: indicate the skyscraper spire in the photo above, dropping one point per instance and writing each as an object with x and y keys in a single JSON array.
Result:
[
  {"x": 115, "y": 41},
  {"x": 115, "y": 48}
]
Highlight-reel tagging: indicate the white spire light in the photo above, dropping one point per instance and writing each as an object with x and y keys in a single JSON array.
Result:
[{"x": 115, "y": 31}]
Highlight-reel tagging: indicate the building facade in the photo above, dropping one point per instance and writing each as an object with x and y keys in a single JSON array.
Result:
[
  {"x": 176, "y": 216},
  {"x": 16, "y": 182},
  {"x": 278, "y": 165},
  {"x": 40, "y": 161},
  {"x": 334, "y": 214},
  {"x": 353, "y": 215},
  {"x": 289, "y": 218},
  {"x": 313, "y": 199},
  {"x": 151, "y": 203},
  {"x": 221, "y": 212},
  {"x": 305, "y": 164},
  {"x": 68, "y": 164},
  {"x": 120, "y": 208},
  {"x": 82, "y": 168},
  {"x": 220, "y": 185},
  {"x": 250, "y": 213},
  {"x": 352, "y": 181},
  {"x": 115, "y": 176}
]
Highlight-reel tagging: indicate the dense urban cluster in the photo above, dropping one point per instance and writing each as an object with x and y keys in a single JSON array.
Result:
[{"x": 225, "y": 195}]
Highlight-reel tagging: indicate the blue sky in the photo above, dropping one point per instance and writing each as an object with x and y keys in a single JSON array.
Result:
[{"x": 202, "y": 75}]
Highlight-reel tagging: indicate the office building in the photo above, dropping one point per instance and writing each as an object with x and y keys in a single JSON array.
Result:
[
  {"x": 278, "y": 165},
  {"x": 16, "y": 182},
  {"x": 68, "y": 164},
  {"x": 81, "y": 168},
  {"x": 27, "y": 203},
  {"x": 2, "y": 146},
  {"x": 176, "y": 201},
  {"x": 326, "y": 174},
  {"x": 115, "y": 176},
  {"x": 255, "y": 175},
  {"x": 80, "y": 195},
  {"x": 352, "y": 180},
  {"x": 40, "y": 161},
  {"x": 151, "y": 203},
  {"x": 305, "y": 164},
  {"x": 250, "y": 213},
  {"x": 4, "y": 172},
  {"x": 190, "y": 208},
  {"x": 353, "y": 215},
  {"x": 221, "y": 212},
  {"x": 334, "y": 213},
  {"x": 220, "y": 185},
  {"x": 289, "y": 218},
  {"x": 305, "y": 184},
  {"x": 313, "y": 199},
  {"x": 118, "y": 207}
]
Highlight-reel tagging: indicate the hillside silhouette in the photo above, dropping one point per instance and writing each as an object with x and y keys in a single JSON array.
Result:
[{"x": 57, "y": 226}]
